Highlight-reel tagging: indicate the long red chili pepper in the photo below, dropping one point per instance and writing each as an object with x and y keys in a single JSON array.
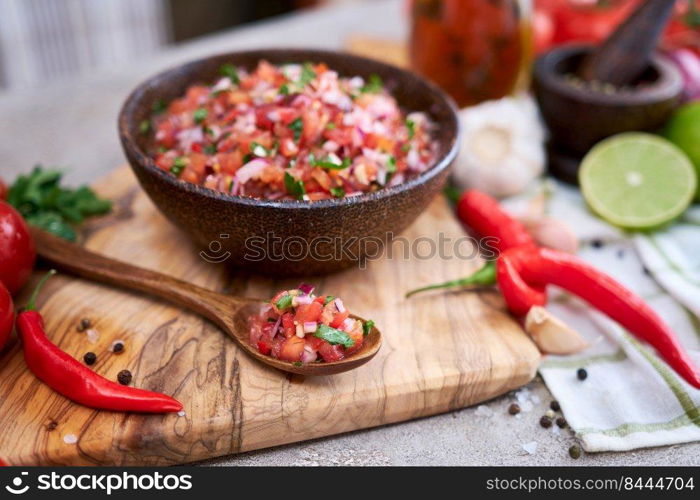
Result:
[
  {"x": 75, "y": 381},
  {"x": 524, "y": 270},
  {"x": 486, "y": 217}
]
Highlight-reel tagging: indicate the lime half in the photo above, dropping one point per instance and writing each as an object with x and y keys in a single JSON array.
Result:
[{"x": 637, "y": 181}]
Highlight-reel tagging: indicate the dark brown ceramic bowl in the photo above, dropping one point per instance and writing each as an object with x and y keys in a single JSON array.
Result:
[
  {"x": 579, "y": 117},
  {"x": 289, "y": 238}
]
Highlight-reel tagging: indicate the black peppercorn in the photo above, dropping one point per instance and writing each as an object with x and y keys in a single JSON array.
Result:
[
  {"x": 124, "y": 377},
  {"x": 575, "y": 451},
  {"x": 546, "y": 422},
  {"x": 561, "y": 422},
  {"x": 582, "y": 374},
  {"x": 118, "y": 347},
  {"x": 554, "y": 405},
  {"x": 90, "y": 358},
  {"x": 85, "y": 323},
  {"x": 514, "y": 409},
  {"x": 596, "y": 243}
]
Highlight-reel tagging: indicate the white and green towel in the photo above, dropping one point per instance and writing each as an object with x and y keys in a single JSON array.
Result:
[{"x": 631, "y": 398}]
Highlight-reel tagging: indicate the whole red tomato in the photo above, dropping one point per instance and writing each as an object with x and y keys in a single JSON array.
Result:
[
  {"x": 17, "y": 252},
  {"x": 7, "y": 315}
]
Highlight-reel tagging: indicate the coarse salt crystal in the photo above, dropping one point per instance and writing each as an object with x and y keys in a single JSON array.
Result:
[
  {"x": 483, "y": 411},
  {"x": 92, "y": 335},
  {"x": 181, "y": 413},
  {"x": 530, "y": 448},
  {"x": 70, "y": 439}
]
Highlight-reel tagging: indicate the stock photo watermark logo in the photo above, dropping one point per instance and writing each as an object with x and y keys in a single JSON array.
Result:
[
  {"x": 107, "y": 483},
  {"x": 361, "y": 250}
]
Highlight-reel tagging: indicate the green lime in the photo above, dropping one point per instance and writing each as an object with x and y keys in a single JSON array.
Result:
[
  {"x": 637, "y": 181},
  {"x": 683, "y": 129}
]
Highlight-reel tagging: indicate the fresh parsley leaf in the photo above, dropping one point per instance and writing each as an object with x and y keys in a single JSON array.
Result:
[
  {"x": 373, "y": 86},
  {"x": 307, "y": 74},
  {"x": 43, "y": 202},
  {"x": 159, "y": 106},
  {"x": 328, "y": 300},
  {"x": 210, "y": 149},
  {"x": 330, "y": 126},
  {"x": 298, "y": 363},
  {"x": 144, "y": 126},
  {"x": 178, "y": 166},
  {"x": 367, "y": 327},
  {"x": 297, "y": 126},
  {"x": 330, "y": 162},
  {"x": 294, "y": 187},
  {"x": 391, "y": 165},
  {"x": 284, "y": 89},
  {"x": 338, "y": 192},
  {"x": 284, "y": 302},
  {"x": 411, "y": 125},
  {"x": 53, "y": 223},
  {"x": 334, "y": 336},
  {"x": 200, "y": 115},
  {"x": 230, "y": 70}
]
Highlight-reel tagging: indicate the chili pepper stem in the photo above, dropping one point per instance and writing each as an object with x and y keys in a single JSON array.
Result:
[
  {"x": 481, "y": 278},
  {"x": 31, "y": 305}
]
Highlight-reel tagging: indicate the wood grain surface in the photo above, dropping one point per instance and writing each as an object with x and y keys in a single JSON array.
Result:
[{"x": 441, "y": 351}]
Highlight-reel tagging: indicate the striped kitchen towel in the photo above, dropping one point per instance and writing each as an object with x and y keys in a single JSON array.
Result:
[{"x": 631, "y": 398}]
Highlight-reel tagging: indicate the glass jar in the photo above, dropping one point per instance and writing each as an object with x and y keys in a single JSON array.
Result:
[{"x": 475, "y": 50}]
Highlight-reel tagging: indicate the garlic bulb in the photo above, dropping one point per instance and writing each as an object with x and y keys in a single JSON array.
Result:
[{"x": 502, "y": 146}]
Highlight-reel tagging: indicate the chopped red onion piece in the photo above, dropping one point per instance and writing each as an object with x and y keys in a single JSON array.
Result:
[
  {"x": 251, "y": 170},
  {"x": 310, "y": 326},
  {"x": 306, "y": 288},
  {"x": 348, "y": 324},
  {"x": 301, "y": 299},
  {"x": 339, "y": 305},
  {"x": 308, "y": 355}
]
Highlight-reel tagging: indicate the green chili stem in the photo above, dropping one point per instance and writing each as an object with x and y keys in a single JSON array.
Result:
[
  {"x": 31, "y": 305},
  {"x": 485, "y": 276}
]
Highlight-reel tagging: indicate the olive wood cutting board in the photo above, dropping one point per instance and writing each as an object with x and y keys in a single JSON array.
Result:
[{"x": 441, "y": 351}]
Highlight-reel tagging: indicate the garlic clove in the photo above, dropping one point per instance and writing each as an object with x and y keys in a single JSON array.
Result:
[
  {"x": 552, "y": 233},
  {"x": 552, "y": 335}
]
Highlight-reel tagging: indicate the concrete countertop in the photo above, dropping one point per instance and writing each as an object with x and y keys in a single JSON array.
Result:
[{"x": 73, "y": 124}]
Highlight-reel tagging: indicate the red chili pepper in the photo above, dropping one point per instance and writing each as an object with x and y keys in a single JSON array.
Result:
[
  {"x": 486, "y": 217},
  {"x": 7, "y": 315},
  {"x": 74, "y": 380},
  {"x": 522, "y": 273}
]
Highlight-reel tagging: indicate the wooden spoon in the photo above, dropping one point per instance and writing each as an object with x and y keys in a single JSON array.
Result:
[{"x": 228, "y": 312}]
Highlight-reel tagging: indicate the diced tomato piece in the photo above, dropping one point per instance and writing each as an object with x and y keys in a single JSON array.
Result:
[
  {"x": 288, "y": 326},
  {"x": 314, "y": 342},
  {"x": 292, "y": 349},
  {"x": 264, "y": 347},
  {"x": 339, "y": 317},
  {"x": 308, "y": 313},
  {"x": 230, "y": 162},
  {"x": 330, "y": 353},
  {"x": 356, "y": 335}
]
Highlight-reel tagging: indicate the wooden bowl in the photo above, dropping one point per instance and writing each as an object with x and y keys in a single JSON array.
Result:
[
  {"x": 579, "y": 117},
  {"x": 289, "y": 238}
]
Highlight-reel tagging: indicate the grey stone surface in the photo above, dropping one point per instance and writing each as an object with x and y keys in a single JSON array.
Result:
[{"x": 73, "y": 123}]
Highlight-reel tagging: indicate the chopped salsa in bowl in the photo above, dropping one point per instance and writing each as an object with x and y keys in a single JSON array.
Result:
[
  {"x": 300, "y": 327},
  {"x": 290, "y": 132}
]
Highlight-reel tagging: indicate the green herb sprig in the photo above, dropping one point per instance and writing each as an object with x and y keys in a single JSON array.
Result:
[{"x": 44, "y": 203}]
